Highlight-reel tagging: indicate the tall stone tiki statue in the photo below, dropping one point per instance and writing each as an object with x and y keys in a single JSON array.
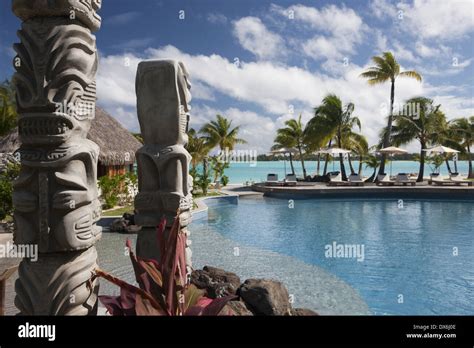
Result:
[
  {"x": 55, "y": 198},
  {"x": 163, "y": 97}
]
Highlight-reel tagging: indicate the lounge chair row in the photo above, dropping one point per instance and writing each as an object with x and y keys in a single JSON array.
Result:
[
  {"x": 400, "y": 179},
  {"x": 454, "y": 179},
  {"x": 272, "y": 180},
  {"x": 335, "y": 179}
]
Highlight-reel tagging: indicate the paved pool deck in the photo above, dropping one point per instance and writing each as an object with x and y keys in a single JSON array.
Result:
[{"x": 322, "y": 190}]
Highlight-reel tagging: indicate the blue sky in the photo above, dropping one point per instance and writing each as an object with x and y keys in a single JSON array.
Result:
[{"x": 263, "y": 62}]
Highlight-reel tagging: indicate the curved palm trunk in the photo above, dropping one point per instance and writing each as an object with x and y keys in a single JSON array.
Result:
[
  {"x": 469, "y": 157},
  {"x": 456, "y": 166},
  {"x": 386, "y": 141},
  {"x": 360, "y": 165},
  {"x": 350, "y": 164},
  {"x": 343, "y": 168},
  {"x": 421, "y": 172},
  {"x": 319, "y": 164},
  {"x": 341, "y": 158},
  {"x": 372, "y": 177},
  {"x": 302, "y": 162},
  {"x": 291, "y": 164},
  {"x": 448, "y": 166},
  {"x": 327, "y": 160}
]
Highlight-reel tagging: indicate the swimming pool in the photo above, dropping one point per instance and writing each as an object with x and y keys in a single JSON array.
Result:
[{"x": 403, "y": 257}]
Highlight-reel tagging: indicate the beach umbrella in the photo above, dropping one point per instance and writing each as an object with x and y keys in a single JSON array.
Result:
[
  {"x": 392, "y": 150},
  {"x": 334, "y": 151},
  {"x": 442, "y": 150},
  {"x": 283, "y": 151}
]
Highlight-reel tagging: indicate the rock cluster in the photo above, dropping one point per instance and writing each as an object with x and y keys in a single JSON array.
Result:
[
  {"x": 125, "y": 224},
  {"x": 255, "y": 296}
]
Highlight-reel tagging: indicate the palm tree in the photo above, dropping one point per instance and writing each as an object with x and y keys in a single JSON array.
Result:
[
  {"x": 427, "y": 128},
  {"x": 280, "y": 143},
  {"x": 371, "y": 162},
  {"x": 462, "y": 130},
  {"x": 197, "y": 147},
  {"x": 8, "y": 113},
  {"x": 386, "y": 68},
  {"x": 293, "y": 136},
  {"x": 336, "y": 122},
  {"x": 220, "y": 133},
  {"x": 358, "y": 144}
]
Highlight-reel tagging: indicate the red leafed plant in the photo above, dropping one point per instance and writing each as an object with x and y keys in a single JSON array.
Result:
[{"x": 163, "y": 289}]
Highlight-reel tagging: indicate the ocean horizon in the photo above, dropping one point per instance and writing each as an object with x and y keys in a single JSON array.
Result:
[{"x": 257, "y": 171}]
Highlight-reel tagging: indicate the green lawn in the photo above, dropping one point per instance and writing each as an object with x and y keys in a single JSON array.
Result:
[
  {"x": 130, "y": 208},
  {"x": 119, "y": 211}
]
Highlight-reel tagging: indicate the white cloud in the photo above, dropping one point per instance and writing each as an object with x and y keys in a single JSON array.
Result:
[
  {"x": 337, "y": 29},
  {"x": 123, "y": 18},
  {"x": 403, "y": 53},
  {"x": 254, "y": 36},
  {"x": 446, "y": 20},
  {"x": 217, "y": 18},
  {"x": 264, "y": 85},
  {"x": 383, "y": 9},
  {"x": 259, "y": 131}
]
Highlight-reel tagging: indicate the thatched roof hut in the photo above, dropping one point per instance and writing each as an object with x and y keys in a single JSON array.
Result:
[{"x": 117, "y": 145}]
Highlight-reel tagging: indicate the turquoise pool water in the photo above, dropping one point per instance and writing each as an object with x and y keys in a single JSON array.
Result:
[{"x": 417, "y": 258}]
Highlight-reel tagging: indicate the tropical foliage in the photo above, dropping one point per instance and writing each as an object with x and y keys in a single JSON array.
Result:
[
  {"x": 426, "y": 128},
  {"x": 333, "y": 124},
  {"x": 163, "y": 289},
  {"x": 7, "y": 176},
  {"x": 8, "y": 113},
  {"x": 217, "y": 133},
  {"x": 292, "y": 136},
  {"x": 387, "y": 69}
]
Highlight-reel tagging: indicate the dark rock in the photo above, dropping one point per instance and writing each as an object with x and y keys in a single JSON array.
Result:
[
  {"x": 216, "y": 281},
  {"x": 302, "y": 312},
  {"x": 118, "y": 225},
  {"x": 130, "y": 218},
  {"x": 236, "y": 308},
  {"x": 265, "y": 297}
]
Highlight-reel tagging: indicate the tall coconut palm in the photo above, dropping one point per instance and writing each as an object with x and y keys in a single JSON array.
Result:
[
  {"x": 220, "y": 133},
  {"x": 335, "y": 121},
  {"x": 358, "y": 144},
  {"x": 426, "y": 128},
  {"x": 197, "y": 147},
  {"x": 386, "y": 69},
  {"x": 317, "y": 136},
  {"x": 462, "y": 130},
  {"x": 293, "y": 136}
]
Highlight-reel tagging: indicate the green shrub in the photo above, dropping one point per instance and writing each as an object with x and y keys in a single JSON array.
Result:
[{"x": 6, "y": 189}]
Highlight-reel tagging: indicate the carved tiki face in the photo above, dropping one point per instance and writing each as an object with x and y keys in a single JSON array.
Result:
[
  {"x": 163, "y": 98},
  {"x": 56, "y": 64}
]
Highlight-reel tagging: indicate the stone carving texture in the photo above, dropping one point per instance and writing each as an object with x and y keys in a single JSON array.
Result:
[
  {"x": 55, "y": 197},
  {"x": 164, "y": 183}
]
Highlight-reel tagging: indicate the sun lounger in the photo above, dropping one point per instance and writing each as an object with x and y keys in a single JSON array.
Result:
[
  {"x": 384, "y": 180},
  {"x": 272, "y": 180},
  {"x": 290, "y": 180},
  {"x": 404, "y": 179},
  {"x": 454, "y": 180},
  {"x": 335, "y": 179},
  {"x": 356, "y": 180}
]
